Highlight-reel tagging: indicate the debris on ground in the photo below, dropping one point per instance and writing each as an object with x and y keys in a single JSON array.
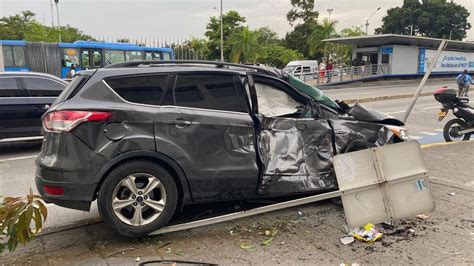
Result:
[
  {"x": 422, "y": 216},
  {"x": 452, "y": 193},
  {"x": 346, "y": 240},
  {"x": 246, "y": 246},
  {"x": 368, "y": 233},
  {"x": 138, "y": 259}
]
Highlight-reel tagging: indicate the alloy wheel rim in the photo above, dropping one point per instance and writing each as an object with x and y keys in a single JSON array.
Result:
[
  {"x": 139, "y": 199},
  {"x": 454, "y": 132}
]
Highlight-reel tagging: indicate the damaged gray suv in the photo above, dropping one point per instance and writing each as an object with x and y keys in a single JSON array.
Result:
[{"x": 145, "y": 138}]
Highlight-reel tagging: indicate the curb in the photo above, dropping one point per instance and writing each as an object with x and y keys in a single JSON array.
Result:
[
  {"x": 386, "y": 97},
  {"x": 431, "y": 145}
]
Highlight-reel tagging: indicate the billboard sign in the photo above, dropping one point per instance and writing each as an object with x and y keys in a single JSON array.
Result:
[{"x": 449, "y": 61}]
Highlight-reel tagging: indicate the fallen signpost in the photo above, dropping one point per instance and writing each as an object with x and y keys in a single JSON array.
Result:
[{"x": 376, "y": 185}]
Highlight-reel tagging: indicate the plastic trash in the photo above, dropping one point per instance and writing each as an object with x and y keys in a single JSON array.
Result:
[
  {"x": 346, "y": 240},
  {"x": 368, "y": 233}
]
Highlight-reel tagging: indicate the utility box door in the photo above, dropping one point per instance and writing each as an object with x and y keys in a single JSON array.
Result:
[{"x": 383, "y": 183}]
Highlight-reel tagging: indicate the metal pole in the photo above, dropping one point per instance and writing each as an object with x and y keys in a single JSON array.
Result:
[
  {"x": 222, "y": 35},
  {"x": 52, "y": 13},
  {"x": 59, "y": 24},
  {"x": 367, "y": 26},
  {"x": 425, "y": 78}
]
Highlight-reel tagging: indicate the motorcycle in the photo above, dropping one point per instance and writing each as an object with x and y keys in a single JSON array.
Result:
[{"x": 459, "y": 128}]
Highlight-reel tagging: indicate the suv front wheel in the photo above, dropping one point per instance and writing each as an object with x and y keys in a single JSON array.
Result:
[{"x": 137, "y": 198}]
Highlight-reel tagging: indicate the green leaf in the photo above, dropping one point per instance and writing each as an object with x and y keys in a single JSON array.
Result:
[
  {"x": 268, "y": 241},
  {"x": 43, "y": 210},
  {"x": 38, "y": 221},
  {"x": 246, "y": 246}
]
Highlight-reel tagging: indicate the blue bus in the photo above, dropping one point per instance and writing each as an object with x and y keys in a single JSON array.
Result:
[{"x": 57, "y": 58}]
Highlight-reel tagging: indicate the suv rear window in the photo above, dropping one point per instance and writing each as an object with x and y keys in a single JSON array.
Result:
[
  {"x": 210, "y": 91},
  {"x": 139, "y": 89}
]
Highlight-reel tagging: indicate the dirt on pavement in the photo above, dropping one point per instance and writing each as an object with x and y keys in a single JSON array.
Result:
[{"x": 302, "y": 235}]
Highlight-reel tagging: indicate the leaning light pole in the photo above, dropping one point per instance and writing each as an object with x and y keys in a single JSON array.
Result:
[
  {"x": 57, "y": 14},
  {"x": 222, "y": 35},
  {"x": 367, "y": 21}
]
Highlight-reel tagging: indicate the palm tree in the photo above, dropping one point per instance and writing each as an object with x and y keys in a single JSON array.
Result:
[
  {"x": 322, "y": 31},
  {"x": 198, "y": 47},
  {"x": 354, "y": 31},
  {"x": 244, "y": 46}
]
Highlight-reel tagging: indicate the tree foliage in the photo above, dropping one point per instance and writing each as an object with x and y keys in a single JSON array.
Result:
[
  {"x": 302, "y": 10},
  {"x": 325, "y": 30},
  {"x": 298, "y": 38},
  {"x": 17, "y": 216},
  {"x": 244, "y": 46},
  {"x": 24, "y": 27},
  {"x": 232, "y": 21},
  {"x": 429, "y": 18}
]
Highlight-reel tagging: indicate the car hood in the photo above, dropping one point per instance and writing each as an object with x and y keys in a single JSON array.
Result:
[{"x": 367, "y": 114}]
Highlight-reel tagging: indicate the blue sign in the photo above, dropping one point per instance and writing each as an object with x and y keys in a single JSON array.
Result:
[
  {"x": 387, "y": 50},
  {"x": 421, "y": 61}
]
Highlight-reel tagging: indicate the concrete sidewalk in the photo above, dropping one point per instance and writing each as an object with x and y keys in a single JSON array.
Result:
[
  {"x": 303, "y": 235},
  {"x": 383, "y": 92}
]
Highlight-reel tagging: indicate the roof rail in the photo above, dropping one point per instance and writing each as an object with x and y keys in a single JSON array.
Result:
[{"x": 217, "y": 64}]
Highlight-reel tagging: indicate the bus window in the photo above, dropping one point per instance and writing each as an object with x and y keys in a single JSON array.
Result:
[
  {"x": 166, "y": 56},
  {"x": 113, "y": 56},
  {"x": 85, "y": 57},
  {"x": 133, "y": 55},
  {"x": 152, "y": 56},
  {"x": 13, "y": 56},
  {"x": 70, "y": 56},
  {"x": 19, "y": 55},
  {"x": 97, "y": 59},
  {"x": 7, "y": 56}
]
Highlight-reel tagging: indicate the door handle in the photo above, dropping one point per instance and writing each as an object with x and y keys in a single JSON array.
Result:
[
  {"x": 180, "y": 123},
  {"x": 42, "y": 107}
]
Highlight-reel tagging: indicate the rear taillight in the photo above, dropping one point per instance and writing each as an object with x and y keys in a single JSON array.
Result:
[
  {"x": 67, "y": 120},
  {"x": 53, "y": 190}
]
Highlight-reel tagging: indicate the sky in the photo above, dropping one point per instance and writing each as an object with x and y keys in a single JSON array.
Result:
[{"x": 181, "y": 19}]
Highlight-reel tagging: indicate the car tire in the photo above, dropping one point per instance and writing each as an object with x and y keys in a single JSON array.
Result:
[{"x": 132, "y": 195}]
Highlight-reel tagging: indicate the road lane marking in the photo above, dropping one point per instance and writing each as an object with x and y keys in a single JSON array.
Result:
[
  {"x": 431, "y": 107},
  {"x": 429, "y": 133},
  {"x": 18, "y": 158},
  {"x": 415, "y": 137},
  {"x": 439, "y": 129}
]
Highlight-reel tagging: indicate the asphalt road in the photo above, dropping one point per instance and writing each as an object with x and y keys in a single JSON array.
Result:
[{"x": 17, "y": 168}]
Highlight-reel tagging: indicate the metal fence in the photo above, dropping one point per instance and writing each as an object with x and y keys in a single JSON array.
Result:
[
  {"x": 180, "y": 46},
  {"x": 338, "y": 73}
]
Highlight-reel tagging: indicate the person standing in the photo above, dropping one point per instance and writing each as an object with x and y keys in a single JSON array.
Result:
[
  {"x": 322, "y": 70},
  {"x": 72, "y": 71},
  {"x": 464, "y": 81},
  {"x": 329, "y": 68}
]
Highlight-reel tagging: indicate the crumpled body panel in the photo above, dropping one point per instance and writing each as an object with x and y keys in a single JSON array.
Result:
[{"x": 296, "y": 154}]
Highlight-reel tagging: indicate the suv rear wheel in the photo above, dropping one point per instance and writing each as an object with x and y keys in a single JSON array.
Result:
[{"x": 137, "y": 198}]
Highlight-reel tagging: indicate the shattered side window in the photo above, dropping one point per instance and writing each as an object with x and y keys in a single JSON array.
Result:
[{"x": 274, "y": 102}]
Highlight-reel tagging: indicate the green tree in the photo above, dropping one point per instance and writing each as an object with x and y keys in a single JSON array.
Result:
[
  {"x": 324, "y": 31},
  {"x": 199, "y": 47},
  {"x": 244, "y": 46},
  {"x": 343, "y": 53},
  {"x": 232, "y": 21},
  {"x": 24, "y": 27},
  {"x": 302, "y": 10},
  {"x": 278, "y": 56},
  {"x": 267, "y": 36},
  {"x": 429, "y": 18}
]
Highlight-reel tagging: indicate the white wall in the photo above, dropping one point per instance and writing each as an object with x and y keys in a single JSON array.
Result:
[{"x": 404, "y": 59}]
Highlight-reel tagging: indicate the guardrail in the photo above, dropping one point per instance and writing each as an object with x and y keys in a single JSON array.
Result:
[{"x": 338, "y": 73}]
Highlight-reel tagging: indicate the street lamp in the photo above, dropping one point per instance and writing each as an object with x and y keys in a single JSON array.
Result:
[
  {"x": 222, "y": 31},
  {"x": 57, "y": 14},
  {"x": 367, "y": 21},
  {"x": 329, "y": 12},
  {"x": 52, "y": 13}
]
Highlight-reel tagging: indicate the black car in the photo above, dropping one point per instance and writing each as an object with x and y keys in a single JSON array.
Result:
[
  {"x": 24, "y": 98},
  {"x": 146, "y": 138}
]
